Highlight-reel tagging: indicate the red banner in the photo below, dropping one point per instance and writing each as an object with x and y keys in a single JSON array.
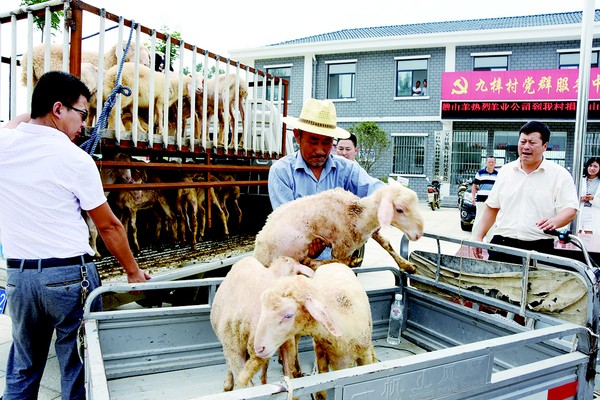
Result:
[{"x": 520, "y": 85}]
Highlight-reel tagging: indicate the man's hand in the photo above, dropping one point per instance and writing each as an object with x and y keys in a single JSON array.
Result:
[
  {"x": 547, "y": 224},
  {"x": 316, "y": 247},
  {"x": 477, "y": 252}
]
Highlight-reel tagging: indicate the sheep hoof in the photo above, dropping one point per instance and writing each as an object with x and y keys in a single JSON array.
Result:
[
  {"x": 355, "y": 262},
  {"x": 408, "y": 268}
]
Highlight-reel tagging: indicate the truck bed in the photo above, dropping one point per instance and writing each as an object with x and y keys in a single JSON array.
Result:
[
  {"x": 194, "y": 382},
  {"x": 450, "y": 349}
]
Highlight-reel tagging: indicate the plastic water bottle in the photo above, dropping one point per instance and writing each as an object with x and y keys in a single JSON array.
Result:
[{"x": 394, "y": 331}]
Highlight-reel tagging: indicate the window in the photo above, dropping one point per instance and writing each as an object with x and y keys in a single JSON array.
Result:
[
  {"x": 281, "y": 71},
  {"x": 592, "y": 145},
  {"x": 408, "y": 73},
  {"x": 468, "y": 154},
  {"x": 341, "y": 80},
  {"x": 490, "y": 63},
  {"x": 506, "y": 147},
  {"x": 409, "y": 154},
  {"x": 570, "y": 60}
]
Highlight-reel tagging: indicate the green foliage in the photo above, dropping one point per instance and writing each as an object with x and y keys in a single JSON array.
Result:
[
  {"x": 40, "y": 22},
  {"x": 372, "y": 142},
  {"x": 161, "y": 45},
  {"x": 200, "y": 70}
]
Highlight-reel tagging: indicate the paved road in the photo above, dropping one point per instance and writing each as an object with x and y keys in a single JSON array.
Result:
[{"x": 444, "y": 221}]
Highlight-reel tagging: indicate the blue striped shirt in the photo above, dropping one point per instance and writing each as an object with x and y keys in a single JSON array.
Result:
[{"x": 485, "y": 181}]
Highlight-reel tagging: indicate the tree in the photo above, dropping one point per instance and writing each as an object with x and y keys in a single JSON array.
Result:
[
  {"x": 40, "y": 22},
  {"x": 200, "y": 70},
  {"x": 372, "y": 141}
]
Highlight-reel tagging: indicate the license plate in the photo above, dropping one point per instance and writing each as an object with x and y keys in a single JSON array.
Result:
[{"x": 2, "y": 300}]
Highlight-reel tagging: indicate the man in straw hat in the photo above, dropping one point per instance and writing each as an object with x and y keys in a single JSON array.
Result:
[{"x": 313, "y": 169}]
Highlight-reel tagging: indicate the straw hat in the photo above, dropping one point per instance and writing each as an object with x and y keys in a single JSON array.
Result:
[{"x": 318, "y": 116}]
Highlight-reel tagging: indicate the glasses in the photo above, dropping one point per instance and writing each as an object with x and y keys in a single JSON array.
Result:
[{"x": 83, "y": 113}]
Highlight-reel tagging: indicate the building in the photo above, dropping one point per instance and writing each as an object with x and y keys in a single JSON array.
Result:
[{"x": 527, "y": 64}]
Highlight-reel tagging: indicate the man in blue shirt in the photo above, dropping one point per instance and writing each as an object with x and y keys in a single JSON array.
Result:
[{"x": 313, "y": 169}]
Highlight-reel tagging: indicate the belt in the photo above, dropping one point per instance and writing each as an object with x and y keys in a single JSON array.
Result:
[{"x": 47, "y": 262}]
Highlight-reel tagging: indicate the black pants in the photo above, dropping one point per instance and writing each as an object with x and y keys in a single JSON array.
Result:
[{"x": 542, "y": 246}]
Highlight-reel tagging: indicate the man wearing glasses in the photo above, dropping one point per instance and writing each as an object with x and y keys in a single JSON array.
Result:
[{"x": 46, "y": 181}]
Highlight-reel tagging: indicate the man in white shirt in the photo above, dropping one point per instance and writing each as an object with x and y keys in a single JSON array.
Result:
[
  {"x": 46, "y": 181},
  {"x": 531, "y": 194}
]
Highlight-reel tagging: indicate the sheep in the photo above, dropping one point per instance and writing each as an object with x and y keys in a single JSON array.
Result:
[
  {"x": 56, "y": 59},
  {"x": 160, "y": 97},
  {"x": 108, "y": 176},
  {"x": 89, "y": 76},
  {"x": 332, "y": 307},
  {"x": 223, "y": 92},
  {"x": 234, "y": 316},
  {"x": 134, "y": 200},
  {"x": 343, "y": 221}
]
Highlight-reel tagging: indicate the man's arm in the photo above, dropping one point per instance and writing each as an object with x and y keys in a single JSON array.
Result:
[
  {"x": 13, "y": 123},
  {"x": 114, "y": 236},
  {"x": 280, "y": 191},
  {"x": 559, "y": 220},
  {"x": 487, "y": 220},
  {"x": 474, "y": 190}
]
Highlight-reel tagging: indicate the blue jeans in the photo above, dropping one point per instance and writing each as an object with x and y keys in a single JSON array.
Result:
[{"x": 40, "y": 301}]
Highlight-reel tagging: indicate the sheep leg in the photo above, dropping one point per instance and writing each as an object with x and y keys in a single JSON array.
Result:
[
  {"x": 228, "y": 384},
  {"x": 250, "y": 369},
  {"x": 182, "y": 214},
  {"x": 193, "y": 203},
  {"x": 402, "y": 263},
  {"x": 322, "y": 366},
  {"x": 133, "y": 223},
  {"x": 243, "y": 119},
  {"x": 235, "y": 358},
  {"x": 170, "y": 217},
  {"x": 215, "y": 202},
  {"x": 367, "y": 358},
  {"x": 288, "y": 353},
  {"x": 202, "y": 215}
]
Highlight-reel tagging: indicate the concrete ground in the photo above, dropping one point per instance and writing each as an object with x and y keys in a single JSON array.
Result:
[{"x": 445, "y": 221}]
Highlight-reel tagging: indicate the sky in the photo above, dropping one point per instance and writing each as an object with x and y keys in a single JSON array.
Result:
[{"x": 221, "y": 26}]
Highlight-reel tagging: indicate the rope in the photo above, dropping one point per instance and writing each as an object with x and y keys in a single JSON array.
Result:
[
  {"x": 289, "y": 388},
  {"x": 90, "y": 145}
]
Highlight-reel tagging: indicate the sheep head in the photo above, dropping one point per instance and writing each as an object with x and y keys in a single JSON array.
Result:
[
  {"x": 399, "y": 207},
  {"x": 287, "y": 309},
  {"x": 286, "y": 266}
]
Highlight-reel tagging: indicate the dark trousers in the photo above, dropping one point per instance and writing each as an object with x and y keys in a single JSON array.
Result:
[{"x": 542, "y": 246}]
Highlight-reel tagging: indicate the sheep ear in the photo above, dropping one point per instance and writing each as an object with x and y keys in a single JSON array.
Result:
[
  {"x": 385, "y": 213},
  {"x": 321, "y": 314},
  {"x": 304, "y": 270}
]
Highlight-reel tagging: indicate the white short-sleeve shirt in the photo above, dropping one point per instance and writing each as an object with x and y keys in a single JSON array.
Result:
[
  {"x": 524, "y": 199},
  {"x": 45, "y": 182}
]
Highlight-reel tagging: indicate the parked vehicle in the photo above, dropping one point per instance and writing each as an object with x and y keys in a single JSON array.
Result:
[
  {"x": 467, "y": 212},
  {"x": 466, "y": 207},
  {"x": 458, "y": 340},
  {"x": 462, "y": 187},
  {"x": 433, "y": 195}
]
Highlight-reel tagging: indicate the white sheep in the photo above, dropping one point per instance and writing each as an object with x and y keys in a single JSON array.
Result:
[
  {"x": 234, "y": 315},
  {"x": 343, "y": 221},
  {"x": 332, "y": 307},
  {"x": 225, "y": 92},
  {"x": 56, "y": 59},
  {"x": 144, "y": 77}
]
